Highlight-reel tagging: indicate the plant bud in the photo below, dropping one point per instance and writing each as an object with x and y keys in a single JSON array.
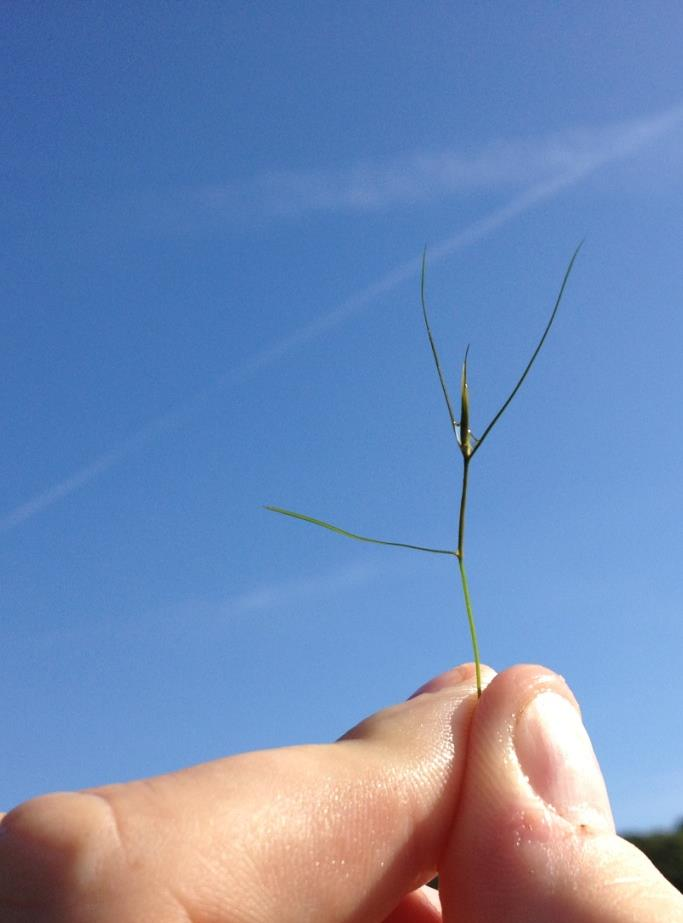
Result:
[{"x": 464, "y": 410}]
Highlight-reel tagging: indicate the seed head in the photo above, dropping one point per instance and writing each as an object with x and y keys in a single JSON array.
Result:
[{"x": 465, "y": 446}]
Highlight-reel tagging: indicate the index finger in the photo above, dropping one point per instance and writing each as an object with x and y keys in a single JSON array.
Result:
[{"x": 335, "y": 832}]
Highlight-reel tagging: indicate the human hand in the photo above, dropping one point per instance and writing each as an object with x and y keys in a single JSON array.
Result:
[{"x": 502, "y": 797}]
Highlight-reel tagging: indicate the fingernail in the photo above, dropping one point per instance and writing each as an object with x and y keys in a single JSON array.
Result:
[
  {"x": 557, "y": 757},
  {"x": 444, "y": 680}
]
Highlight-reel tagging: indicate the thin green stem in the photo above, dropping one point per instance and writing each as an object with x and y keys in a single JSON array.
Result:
[
  {"x": 461, "y": 565},
  {"x": 463, "y": 505},
  {"x": 470, "y": 619},
  {"x": 468, "y": 444}
]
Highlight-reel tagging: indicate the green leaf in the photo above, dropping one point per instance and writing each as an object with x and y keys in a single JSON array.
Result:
[
  {"x": 358, "y": 538},
  {"x": 435, "y": 354},
  {"x": 535, "y": 352}
]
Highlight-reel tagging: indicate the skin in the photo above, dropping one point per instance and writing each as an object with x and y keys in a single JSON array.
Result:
[{"x": 502, "y": 797}]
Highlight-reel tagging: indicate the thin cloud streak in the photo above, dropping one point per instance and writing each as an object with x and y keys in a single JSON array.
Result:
[
  {"x": 422, "y": 177},
  {"x": 291, "y": 592},
  {"x": 639, "y": 134},
  {"x": 197, "y": 616}
]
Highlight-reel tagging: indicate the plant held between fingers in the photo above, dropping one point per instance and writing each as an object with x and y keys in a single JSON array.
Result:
[{"x": 469, "y": 445}]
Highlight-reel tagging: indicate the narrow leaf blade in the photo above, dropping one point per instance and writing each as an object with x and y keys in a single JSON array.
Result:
[
  {"x": 435, "y": 354},
  {"x": 358, "y": 538},
  {"x": 534, "y": 354}
]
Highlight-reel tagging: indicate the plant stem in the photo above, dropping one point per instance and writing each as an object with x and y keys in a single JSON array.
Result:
[
  {"x": 463, "y": 504},
  {"x": 461, "y": 564},
  {"x": 470, "y": 619}
]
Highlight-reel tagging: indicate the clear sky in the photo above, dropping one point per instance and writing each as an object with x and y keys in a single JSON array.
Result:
[{"x": 212, "y": 221}]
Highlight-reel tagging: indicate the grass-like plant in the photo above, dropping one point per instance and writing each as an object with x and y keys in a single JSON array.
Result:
[{"x": 469, "y": 445}]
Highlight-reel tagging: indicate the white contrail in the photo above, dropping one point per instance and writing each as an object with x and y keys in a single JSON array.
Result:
[
  {"x": 292, "y": 592},
  {"x": 634, "y": 136},
  {"x": 410, "y": 178},
  {"x": 206, "y": 613}
]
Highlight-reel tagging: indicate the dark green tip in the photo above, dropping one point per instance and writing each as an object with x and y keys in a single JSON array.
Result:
[{"x": 465, "y": 409}]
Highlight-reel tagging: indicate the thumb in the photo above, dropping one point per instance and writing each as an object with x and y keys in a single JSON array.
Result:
[{"x": 534, "y": 839}]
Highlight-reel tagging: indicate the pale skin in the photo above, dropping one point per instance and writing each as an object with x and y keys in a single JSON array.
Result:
[{"x": 502, "y": 797}]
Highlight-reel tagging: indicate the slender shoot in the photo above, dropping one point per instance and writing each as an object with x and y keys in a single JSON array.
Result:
[
  {"x": 469, "y": 445},
  {"x": 470, "y": 622}
]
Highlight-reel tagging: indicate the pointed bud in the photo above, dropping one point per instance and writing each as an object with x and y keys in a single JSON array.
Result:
[{"x": 465, "y": 446}]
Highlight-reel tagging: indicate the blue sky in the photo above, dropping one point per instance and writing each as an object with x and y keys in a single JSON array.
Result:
[{"x": 213, "y": 216}]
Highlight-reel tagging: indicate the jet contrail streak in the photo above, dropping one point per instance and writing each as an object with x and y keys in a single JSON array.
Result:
[{"x": 638, "y": 135}]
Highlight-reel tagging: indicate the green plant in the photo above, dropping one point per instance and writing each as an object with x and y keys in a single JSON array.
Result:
[
  {"x": 665, "y": 850},
  {"x": 468, "y": 444}
]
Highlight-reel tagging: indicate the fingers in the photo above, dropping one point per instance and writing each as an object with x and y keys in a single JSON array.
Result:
[
  {"x": 421, "y": 906},
  {"x": 534, "y": 838},
  {"x": 336, "y": 833}
]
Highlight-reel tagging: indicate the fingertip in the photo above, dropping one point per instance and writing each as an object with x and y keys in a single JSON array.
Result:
[
  {"x": 532, "y": 801},
  {"x": 535, "y": 753},
  {"x": 524, "y": 678},
  {"x": 464, "y": 673}
]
